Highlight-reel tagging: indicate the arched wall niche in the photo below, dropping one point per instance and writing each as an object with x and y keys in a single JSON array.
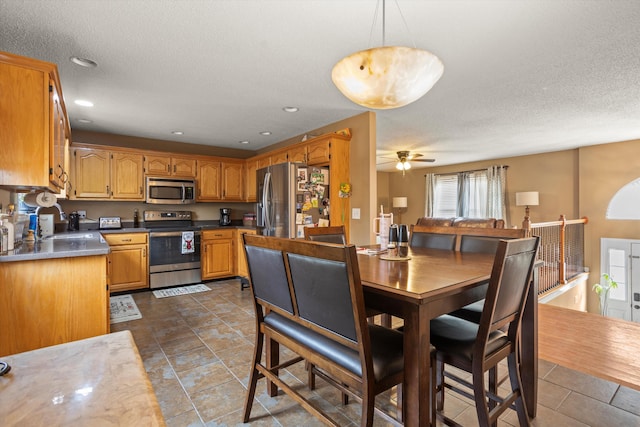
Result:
[{"x": 625, "y": 204}]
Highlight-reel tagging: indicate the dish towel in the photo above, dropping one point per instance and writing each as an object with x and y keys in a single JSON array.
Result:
[{"x": 187, "y": 242}]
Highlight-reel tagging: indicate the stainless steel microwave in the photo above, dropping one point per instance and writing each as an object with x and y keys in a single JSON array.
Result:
[{"x": 170, "y": 191}]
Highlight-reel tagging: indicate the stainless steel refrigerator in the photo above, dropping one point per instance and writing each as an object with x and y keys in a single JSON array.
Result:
[{"x": 276, "y": 193}]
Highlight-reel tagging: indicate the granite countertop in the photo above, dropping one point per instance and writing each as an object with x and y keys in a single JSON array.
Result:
[
  {"x": 61, "y": 245},
  {"x": 95, "y": 381}
]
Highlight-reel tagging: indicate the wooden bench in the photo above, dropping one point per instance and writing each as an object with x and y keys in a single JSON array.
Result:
[{"x": 308, "y": 297}]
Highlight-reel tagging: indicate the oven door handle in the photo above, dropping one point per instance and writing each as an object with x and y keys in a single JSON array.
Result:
[{"x": 170, "y": 233}]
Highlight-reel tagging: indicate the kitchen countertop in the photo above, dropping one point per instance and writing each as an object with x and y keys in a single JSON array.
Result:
[
  {"x": 60, "y": 245},
  {"x": 95, "y": 381}
]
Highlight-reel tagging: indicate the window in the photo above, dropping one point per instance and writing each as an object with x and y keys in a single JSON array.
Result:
[{"x": 470, "y": 194}]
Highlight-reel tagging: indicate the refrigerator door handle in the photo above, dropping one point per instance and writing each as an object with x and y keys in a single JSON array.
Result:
[{"x": 266, "y": 202}]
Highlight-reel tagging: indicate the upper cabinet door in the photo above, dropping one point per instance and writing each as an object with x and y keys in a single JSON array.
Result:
[
  {"x": 232, "y": 174},
  {"x": 127, "y": 176},
  {"x": 209, "y": 181},
  {"x": 33, "y": 125},
  {"x": 183, "y": 166},
  {"x": 297, "y": 154},
  {"x": 251, "y": 166},
  {"x": 91, "y": 172},
  {"x": 157, "y": 165},
  {"x": 319, "y": 153}
]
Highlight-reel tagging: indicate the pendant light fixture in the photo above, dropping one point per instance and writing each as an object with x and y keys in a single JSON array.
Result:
[{"x": 387, "y": 77}]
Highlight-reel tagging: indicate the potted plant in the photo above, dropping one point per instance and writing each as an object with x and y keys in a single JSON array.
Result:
[{"x": 603, "y": 292}]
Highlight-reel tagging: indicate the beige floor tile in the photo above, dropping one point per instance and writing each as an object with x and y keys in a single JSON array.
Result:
[
  {"x": 198, "y": 348},
  {"x": 596, "y": 413},
  {"x": 627, "y": 399}
]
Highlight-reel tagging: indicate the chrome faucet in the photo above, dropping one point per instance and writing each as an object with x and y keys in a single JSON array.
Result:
[{"x": 63, "y": 216}]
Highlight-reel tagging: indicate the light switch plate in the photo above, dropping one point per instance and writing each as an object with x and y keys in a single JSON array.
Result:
[{"x": 355, "y": 213}]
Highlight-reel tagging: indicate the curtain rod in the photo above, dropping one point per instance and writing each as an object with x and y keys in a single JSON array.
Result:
[{"x": 472, "y": 170}]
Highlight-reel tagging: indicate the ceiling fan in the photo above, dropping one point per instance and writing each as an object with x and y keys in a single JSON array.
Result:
[{"x": 405, "y": 157}]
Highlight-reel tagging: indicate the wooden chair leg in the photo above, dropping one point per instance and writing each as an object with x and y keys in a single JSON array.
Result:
[
  {"x": 253, "y": 380},
  {"x": 439, "y": 390}
]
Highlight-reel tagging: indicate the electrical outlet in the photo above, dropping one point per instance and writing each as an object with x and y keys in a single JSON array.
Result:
[
  {"x": 355, "y": 213},
  {"x": 82, "y": 214}
]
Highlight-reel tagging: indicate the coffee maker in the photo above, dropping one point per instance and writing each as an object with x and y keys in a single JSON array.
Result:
[{"x": 225, "y": 216}]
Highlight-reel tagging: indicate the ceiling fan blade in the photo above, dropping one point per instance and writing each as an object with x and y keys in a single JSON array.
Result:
[
  {"x": 413, "y": 156},
  {"x": 424, "y": 160},
  {"x": 390, "y": 161}
]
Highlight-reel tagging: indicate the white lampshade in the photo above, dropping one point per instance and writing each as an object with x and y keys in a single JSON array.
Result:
[
  {"x": 387, "y": 77},
  {"x": 527, "y": 198},
  {"x": 399, "y": 202}
]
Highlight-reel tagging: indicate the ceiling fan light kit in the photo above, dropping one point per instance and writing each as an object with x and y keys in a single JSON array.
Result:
[{"x": 387, "y": 77}]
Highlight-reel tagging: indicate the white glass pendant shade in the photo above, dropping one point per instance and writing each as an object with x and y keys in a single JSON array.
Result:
[{"x": 387, "y": 77}]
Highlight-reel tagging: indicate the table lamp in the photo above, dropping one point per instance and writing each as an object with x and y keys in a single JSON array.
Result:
[
  {"x": 399, "y": 203},
  {"x": 527, "y": 198}
]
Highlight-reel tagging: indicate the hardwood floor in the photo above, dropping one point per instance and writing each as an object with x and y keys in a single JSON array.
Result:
[{"x": 197, "y": 351}]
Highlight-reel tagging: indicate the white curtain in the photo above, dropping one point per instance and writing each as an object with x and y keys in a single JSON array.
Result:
[
  {"x": 496, "y": 192},
  {"x": 429, "y": 193}
]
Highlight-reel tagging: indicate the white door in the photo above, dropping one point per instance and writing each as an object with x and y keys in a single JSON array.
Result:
[
  {"x": 615, "y": 257},
  {"x": 635, "y": 282}
]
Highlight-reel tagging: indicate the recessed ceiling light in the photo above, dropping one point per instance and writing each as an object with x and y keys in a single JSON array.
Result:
[
  {"x": 243, "y": 142},
  {"x": 85, "y": 121},
  {"x": 83, "y": 103},
  {"x": 83, "y": 62},
  {"x": 291, "y": 109},
  {"x": 177, "y": 132},
  {"x": 265, "y": 133}
]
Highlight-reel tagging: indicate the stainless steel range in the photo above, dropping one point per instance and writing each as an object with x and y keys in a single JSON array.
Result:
[{"x": 174, "y": 248}]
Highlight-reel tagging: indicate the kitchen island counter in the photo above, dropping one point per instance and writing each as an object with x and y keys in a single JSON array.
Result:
[
  {"x": 63, "y": 245},
  {"x": 95, "y": 381}
]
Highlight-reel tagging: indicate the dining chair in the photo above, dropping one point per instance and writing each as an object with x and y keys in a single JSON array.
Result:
[
  {"x": 333, "y": 234},
  {"x": 479, "y": 347},
  {"x": 308, "y": 297},
  {"x": 336, "y": 234},
  {"x": 424, "y": 239}
]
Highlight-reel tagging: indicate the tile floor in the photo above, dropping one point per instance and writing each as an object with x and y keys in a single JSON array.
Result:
[{"x": 197, "y": 351}]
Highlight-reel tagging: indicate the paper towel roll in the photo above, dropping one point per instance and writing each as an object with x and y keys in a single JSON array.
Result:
[
  {"x": 46, "y": 199},
  {"x": 30, "y": 200}
]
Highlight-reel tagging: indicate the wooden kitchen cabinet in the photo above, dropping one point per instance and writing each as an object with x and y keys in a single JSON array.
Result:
[
  {"x": 209, "y": 179},
  {"x": 278, "y": 157},
  {"x": 34, "y": 126},
  {"x": 232, "y": 181},
  {"x": 52, "y": 301},
  {"x": 219, "y": 180},
  {"x": 319, "y": 152},
  {"x": 297, "y": 154},
  {"x": 91, "y": 174},
  {"x": 105, "y": 174},
  {"x": 241, "y": 259},
  {"x": 217, "y": 253},
  {"x": 128, "y": 261},
  {"x": 159, "y": 165},
  {"x": 250, "y": 167}
]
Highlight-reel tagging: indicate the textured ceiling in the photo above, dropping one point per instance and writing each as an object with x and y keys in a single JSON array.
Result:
[{"x": 520, "y": 77}]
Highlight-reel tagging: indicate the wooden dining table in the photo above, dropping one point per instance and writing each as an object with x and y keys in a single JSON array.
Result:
[{"x": 434, "y": 282}]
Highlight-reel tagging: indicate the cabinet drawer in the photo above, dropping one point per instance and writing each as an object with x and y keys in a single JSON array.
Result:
[
  {"x": 217, "y": 234},
  {"x": 126, "y": 239}
]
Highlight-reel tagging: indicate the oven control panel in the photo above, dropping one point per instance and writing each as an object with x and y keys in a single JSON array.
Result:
[{"x": 150, "y": 216}]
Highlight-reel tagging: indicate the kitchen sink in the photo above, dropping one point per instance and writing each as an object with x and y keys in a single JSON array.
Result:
[{"x": 76, "y": 236}]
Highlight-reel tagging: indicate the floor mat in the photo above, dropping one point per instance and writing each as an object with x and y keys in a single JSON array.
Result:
[
  {"x": 123, "y": 308},
  {"x": 183, "y": 290}
]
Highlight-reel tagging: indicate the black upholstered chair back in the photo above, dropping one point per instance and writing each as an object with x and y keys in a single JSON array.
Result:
[
  {"x": 508, "y": 286},
  {"x": 303, "y": 278},
  {"x": 318, "y": 284},
  {"x": 269, "y": 277},
  {"x": 482, "y": 244},
  {"x": 432, "y": 240},
  {"x": 334, "y": 234}
]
